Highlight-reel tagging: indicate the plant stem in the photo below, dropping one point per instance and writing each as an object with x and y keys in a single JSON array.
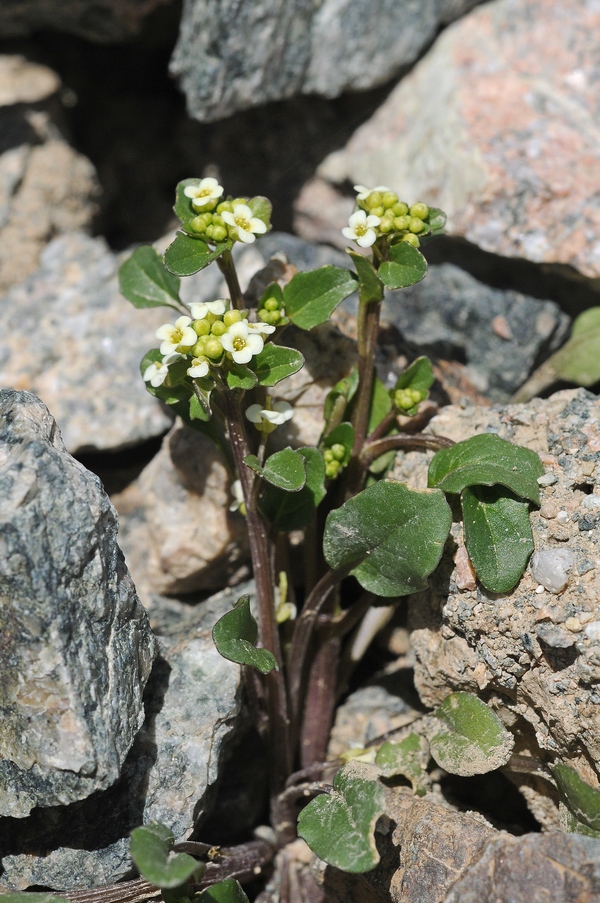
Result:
[
  {"x": 227, "y": 267},
  {"x": 279, "y": 747},
  {"x": 368, "y": 327},
  {"x": 320, "y": 702},
  {"x": 411, "y": 442}
]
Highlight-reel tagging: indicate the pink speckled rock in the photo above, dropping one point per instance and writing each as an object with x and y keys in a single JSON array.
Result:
[{"x": 499, "y": 124}]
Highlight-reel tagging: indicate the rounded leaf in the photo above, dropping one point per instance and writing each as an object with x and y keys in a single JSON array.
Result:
[
  {"x": 145, "y": 281},
  {"x": 582, "y": 800},
  {"x": 310, "y": 298},
  {"x": 235, "y": 636},
  {"x": 151, "y": 850},
  {"x": 472, "y": 739}
]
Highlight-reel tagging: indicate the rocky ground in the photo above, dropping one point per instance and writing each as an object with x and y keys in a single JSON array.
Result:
[{"x": 488, "y": 110}]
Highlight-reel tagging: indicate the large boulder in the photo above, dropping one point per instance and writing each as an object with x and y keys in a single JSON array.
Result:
[
  {"x": 46, "y": 188},
  {"x": 232, "y": 55},
  {"x": 77, "y": 648},
  {"x": 497, "y": 125}
]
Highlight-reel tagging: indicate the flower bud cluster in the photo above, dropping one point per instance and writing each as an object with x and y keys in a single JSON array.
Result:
[
  {"x": 381, "y": 212},
  {"x": 213, "y": 336},
  {"x": 272, "y": 311},
  {"x": 220, "y": 220},
  {"x": 405, "y": 399},
  {"x": 333, "y": 460}
]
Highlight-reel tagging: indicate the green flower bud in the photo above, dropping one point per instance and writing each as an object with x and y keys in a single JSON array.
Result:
[
  {"x": 213, "y": 348},
  {"x": 237, "y": 201},
  {"x": 198, "y": 349},
  {"x": 217, "y": 220},
  {"x": 272, "y": 317},
  {"x": 416, "y": 225},
  {"x": 389, "y": 199},
  {"x": 377, "y": 211},
  {"x": 401, "y": 223},
  {"x": 328, "y": 456},
  {"x": 219, "y": 233},
  {"x": 411, "y": 239},
  {"x": 374, "y": 200},
  {"x": 400, "y": 209},
  {"x": 386, "y": 225},
  {"x": 332, "y": 470},
  {"x": 184, "y": 349},
  {"x": 338, "y": 451},
  {"x": 212, "y": 204},
  {"x": 218, "y": 328},
  {"x": 271, "y": 304},
  {"x": 224, "y": 207},
  {"x": 232, "y": 316},
  {"x": 211, "y": 318},
  {"x": 405, "y": 399},
  {"x": 201, "y": 327},
  {"x": 199, "y": 223},
  {"x": 210, "y": 232},
  {"x": 421, "y": 211}
]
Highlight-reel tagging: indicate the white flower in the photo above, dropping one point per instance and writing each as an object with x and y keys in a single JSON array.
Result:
[
  {"x": 200, "y": 310},
  {"x": 247, "y": 226},
  {"x": 156, "y": 373},
  {"x": 241, "y": 343},
  {"x": 264, "y": 328},
  {"x": 361, "y": 228},
  {"x": 202, "y": 194},
  {"x": 281, "y": 411},
  {"x": 199, "y": 368},
  {"x": 174, "y": 336},
  {"x": 364, "y": 192},
  {"x": 238, "y": 497}
]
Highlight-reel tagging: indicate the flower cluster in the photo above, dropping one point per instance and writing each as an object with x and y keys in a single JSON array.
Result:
[
  {"x": 334, "y": 457},
  {"x": 271, "y": 310},
  {"x": 405, "y": 399},
  {"x": 211, "y": 336},
  {"x": 381, "y": 212},
  {"x": 219, "y": 220}
]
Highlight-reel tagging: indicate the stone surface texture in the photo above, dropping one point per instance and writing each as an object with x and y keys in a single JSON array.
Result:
[
  {"x": 533, "y": 653},
  {"x": 498, "y": 126},
  {"x": 77, "y": 648},
  {"x": 95, "y": 20},
  {"x": 194, "y": 712},
  {"x": 46, "y": 188},
  {"x": 232, "y": 55},
  {"x": 89, "y": 341}
]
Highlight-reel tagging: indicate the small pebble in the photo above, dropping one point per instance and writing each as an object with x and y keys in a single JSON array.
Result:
[
  {"x": 573, "y": 624},
  {"x": 563, "y": 517},
  {"x": 592, "y": 630},
  {"x": 539, "y": 589},
  {"x": 551, "y": 568},
  {"x": 548, "y": 479}
]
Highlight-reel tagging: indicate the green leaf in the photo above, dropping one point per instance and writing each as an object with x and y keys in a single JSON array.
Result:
[
  {"x": 183, "y": 205},
  {"x": 370, "y": 285},
  {"x": 294, "y": 510},
  {"x": 408, "y": 758},
  {"x": 186, "y": 255},
  {"x": 285, "y": 469},
  {"x": 235, "y": 636},
  {"x": 498, "y": 535},
  {"x": 436, "y": 219},
  {"x": 381, "y": 404},
  {"x": 339, "y": 827},
  {"x": 582, "y": 800},
  {"x": 261, "y": 208},
  {"x": 487, "y": 459},
  {"x": 200, "y": 406},
  {"x": 406, "y": 266},
  {"x": 240, "y": 377},
  {"x": 145, "y": 282},
  {"x": 578, "y": 361},
  {"x": 472, "y": 740},
  {"x": 275, "y": 362},
  {"x": 343, "y": 434},
  {"x": 394, "y": 535},
  {"x": 419, "y": 376},
  {"x": 151, "y": 848},
  {"x": 310, "y": 298},
  {"x": 227, "y": 891}
]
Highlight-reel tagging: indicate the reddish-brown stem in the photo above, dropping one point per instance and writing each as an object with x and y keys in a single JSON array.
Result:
[
  {"x": 408, "y": 442},
  {"x": 227, "y": 267},
  {"x": 320, "y": 702},
  {"x": 279, "y": 746}
]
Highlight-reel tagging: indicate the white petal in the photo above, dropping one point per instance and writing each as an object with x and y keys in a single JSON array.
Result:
[
  {"x": 227, "y": 342},
  {"x": 242, "y": 356},
  {"x": 255, "y": 343},
  {"x": 246, "y": 237},
  {"x": 254, "y": 413},
  {"x": 209, "y": 182},
  {"x": 164, "y": 332},
  {"x": 239, "y": 329},
  {"x": 188, "y": 337},
  {"x": 198, "y": 369},
  {"x": 368, "y": 239},
  {"x": 242, "y": 210},
  {"x": 284, "y": 409},
  {"x": 257, "y": 226},
  {"x": 191, "y": 191},
  {"x": 228, "y": 218},
  {"x": 349, "y": 233},
  {"x": 167, "y": 347},
  {"x": 172, "y": 356},
  {"x": 263, "y": 328},
  {"x": 199, "y": 310},
  {"x": 182, "y": 322},
  {"x": 201, "y": 202},
  {"x": 150, "y": 371},
  {"x": 357, "y": 219},
  {"x": 217, "y": 307},
  {"x": 372, "y": 220}
]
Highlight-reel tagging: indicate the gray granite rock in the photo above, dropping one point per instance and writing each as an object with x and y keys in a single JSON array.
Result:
[
  {"x": 46, "y": 188},
  {"x": 194, "y": 712},
  {"x": 232, "y": 55},
  {"x": 497, "y": 125},
  {"x": 533, "y": 653},
  {"x": 95, "y": 20},
  {"x": 501, "y": 334},
  {"x": 83, "y": 348},
  {"x": 77, "y": 648}
]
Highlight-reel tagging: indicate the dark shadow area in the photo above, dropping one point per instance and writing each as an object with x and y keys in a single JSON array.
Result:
[
  {"x": 494, "y": 796},
  {"x": 120, "y": 468}
]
